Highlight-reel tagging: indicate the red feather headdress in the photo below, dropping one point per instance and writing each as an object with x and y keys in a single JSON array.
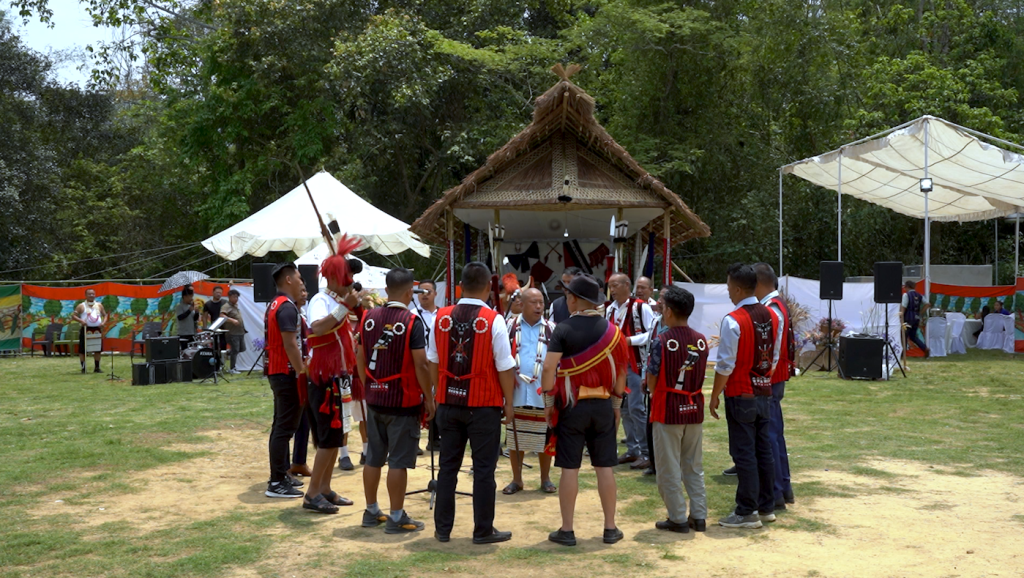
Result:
[{"x": 336, "y": 266}]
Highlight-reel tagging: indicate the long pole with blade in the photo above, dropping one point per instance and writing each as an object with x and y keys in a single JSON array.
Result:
[{"x": 323, "y": 227}]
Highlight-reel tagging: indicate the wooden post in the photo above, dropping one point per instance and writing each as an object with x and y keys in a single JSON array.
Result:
[
  {"x": 619, "y": 257},
  {"x": 667, "y": 233},
  {"x": 449, "y": 255},
  {"x": 497, "y": 242}
]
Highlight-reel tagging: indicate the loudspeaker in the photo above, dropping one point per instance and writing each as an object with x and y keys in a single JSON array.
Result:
[
  {"x": 311, "y": 277},
  {"x": 888, "y": 282},
  {"x": 185, "y": 370},
  {"x": 163, "y": 372},
  {"x": 162, "y": 349},
  {"x": 831, "y": 286},
  {"x": 140, "y": 374},
  {"x": 860, "y": 357},
  {"x": 263, "y": 288}
]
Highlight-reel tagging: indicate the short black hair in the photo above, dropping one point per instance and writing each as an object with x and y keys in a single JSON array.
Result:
[
  {"x": 398, "y": 279},
  {"x": 572, "y": 271},
  {"x": 679, "y": 300},
  {"x": 428, "y": 282},
  {"x": 283, "y": 270},
  {"x": 910, "y": 285},
  {"x": 187, "y": 291},
  {"x": 765, "y": 274},
  {"x": 743, "y": 275},
  {"x": 233, "y": 292},
  {"x": 475, "y": 277}
]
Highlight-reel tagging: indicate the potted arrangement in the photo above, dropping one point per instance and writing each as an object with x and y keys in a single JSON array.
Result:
[{"x": 818, "y": 336}]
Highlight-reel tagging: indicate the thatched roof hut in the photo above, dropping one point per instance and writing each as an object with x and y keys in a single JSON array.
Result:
[{"x": 567, "y": 167}]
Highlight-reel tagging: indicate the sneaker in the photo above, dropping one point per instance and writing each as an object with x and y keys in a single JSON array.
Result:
[
  {"x": 402, "y": 526},
  {"x": 371, "y": 520},
  {"x": 734, "y": 520},
  {"x": 235, "y": 372},
  {"x": 281, "y": 490},
  {"x": 362, "y": 459},
  {"x": 612, "y": 536},
  {"x": 730, "y": 471},
  {"x": 672, "y": 526},
  {"x": 697, "y": 525},
  {"x": 345, "y": 464},
  {"x": 97, "y": 370},
  {"x": 650, "y": 472},
  {"x": 295, "y": 482},
  {"x": 767, "y": 518},
  {"x": 780, "y": 504},
  {"x": 563, "y": 538},
  {"x": 419, "y": 451},
  {"x": 83, "y": 368},
  {"x": 494, "y": 537}
]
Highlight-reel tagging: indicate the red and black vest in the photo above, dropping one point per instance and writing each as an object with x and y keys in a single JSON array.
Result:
[
  {"x": 787, "y": 349},
  {"x": 277, "y": 357},
  {"x": 754, "y": 352},
  {"x": 467, "y": 375},
  {"x": 633, "y": 324},
  {"x": 390, "y": 373},
  {"x": 677, "y": 398}
]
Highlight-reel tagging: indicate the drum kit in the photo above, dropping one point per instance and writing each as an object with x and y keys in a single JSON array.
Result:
[{"x": 204, "y": 354}]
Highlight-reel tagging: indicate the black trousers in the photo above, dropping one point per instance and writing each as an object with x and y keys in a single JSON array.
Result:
[
  {"x": 481, "y": 427},
  {"x": 650, "y": 434},
  {"x": 300, "y": 446},
  {"x": 287, "y": 413},
  {"x": 914, "y": 336},
  {"x": 750, "y": 446}
]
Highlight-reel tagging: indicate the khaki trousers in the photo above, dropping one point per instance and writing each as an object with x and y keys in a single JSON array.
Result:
[{"x": 678, "y": 451}]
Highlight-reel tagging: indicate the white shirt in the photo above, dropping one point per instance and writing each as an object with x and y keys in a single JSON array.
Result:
[
  {"x": 499, "y": 340},
  {"x": 319, "y": 306},
  {"x": 730, "y": 339},
  {"x": 616, "y": 313},
  {"x": 428, "y": 318}
]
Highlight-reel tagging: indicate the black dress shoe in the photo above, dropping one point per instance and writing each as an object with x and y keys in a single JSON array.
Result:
[
  {"x": 650, "y": 472},
  {"x": 788, "y": 497},
  {"x": 563, "y": 538},
  {"x": 494, "y": 538},
  {"x": 441, "y": 537},
  {"x": 697, "y": 525},
  {"x": 672, "y": 526},
  {"x": 612, "y": 536},
  {"x": 780, "y": 504},
  {"x": 730, "y": 471}
]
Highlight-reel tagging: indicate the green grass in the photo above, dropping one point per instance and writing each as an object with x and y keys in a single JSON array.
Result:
[{"x": 73, "y": 437}]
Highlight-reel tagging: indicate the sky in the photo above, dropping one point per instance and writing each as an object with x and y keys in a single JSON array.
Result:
[{"x": 72, "y": 29}]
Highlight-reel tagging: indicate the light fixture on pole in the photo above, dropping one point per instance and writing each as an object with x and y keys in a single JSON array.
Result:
[
  {"x": 926, "y": 185},
  {"x": 565, "y": 200}
]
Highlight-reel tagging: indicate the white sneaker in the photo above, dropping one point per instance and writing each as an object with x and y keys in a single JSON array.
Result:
[
  {"x": 767, "y": 518},
  {"x": 734, "y": 520}
]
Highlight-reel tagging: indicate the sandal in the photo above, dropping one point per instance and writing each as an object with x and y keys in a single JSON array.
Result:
[
  {"x": 512, "y": 489},
  {"x": 319, "y": 504},
  {"x": 548, "y": 488},
  {"x": 336, "y": 499}
]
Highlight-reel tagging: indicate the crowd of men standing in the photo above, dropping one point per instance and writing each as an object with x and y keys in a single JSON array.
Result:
[{"x": 560, "y": 383}]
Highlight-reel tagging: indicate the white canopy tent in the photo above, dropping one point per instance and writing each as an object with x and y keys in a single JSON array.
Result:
[
  {"x": 290, "y": 224},
  {"x": 969, "y": 179}
]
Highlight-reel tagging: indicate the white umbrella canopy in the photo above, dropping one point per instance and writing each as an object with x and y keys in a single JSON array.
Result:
[{"x": 290, "y": 224}]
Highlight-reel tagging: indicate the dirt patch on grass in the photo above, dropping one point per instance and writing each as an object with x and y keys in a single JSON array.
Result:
[{"x": 904, "y": 519}]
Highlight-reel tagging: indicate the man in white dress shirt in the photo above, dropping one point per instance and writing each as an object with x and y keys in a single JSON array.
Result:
[
  {"x": 471, "y": 363},
  {"x": 635, "y": 319}
]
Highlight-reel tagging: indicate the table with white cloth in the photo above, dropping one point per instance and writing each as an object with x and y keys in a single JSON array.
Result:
[{"x": 971, "y": 327}]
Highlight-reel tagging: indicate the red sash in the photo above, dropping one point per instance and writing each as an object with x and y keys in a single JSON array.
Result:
[{"x": 333, "y": 353}]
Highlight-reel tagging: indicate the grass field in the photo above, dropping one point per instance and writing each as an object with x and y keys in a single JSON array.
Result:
[{"x": 71, "y": 442}]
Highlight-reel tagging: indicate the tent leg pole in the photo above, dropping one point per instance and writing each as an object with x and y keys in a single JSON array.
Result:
[
  {"x": 780, "y": 223},
  {"x": 996, "y": 245},
  {"x": 839, "y": 210},
  {"x": 927, "y": 227},
  {"x": 1016, "y": 249}
]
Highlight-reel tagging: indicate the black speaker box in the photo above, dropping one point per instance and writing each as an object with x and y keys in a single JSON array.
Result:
[
  {"x": 162, "y": 349},
  {"x": 185, "y": 370},
  {"x": 311, "y": 276},
  {"x": 860, "y": 357},
  {"x": 831, "y": 286},
  {"x": 164, "y": 372},
  {"x": 888, "y": 282},
  {"x": 140, "y": 374},
  {"x": 263, "y": 289}
]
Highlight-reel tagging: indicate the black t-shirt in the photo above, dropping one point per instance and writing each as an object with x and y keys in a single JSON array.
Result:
[
  {"x": 287, "y": 317},
  {"x": 577, "y": 333},
  {"x": 417, "y": 340},
  {"x": 212, "y": 308}
]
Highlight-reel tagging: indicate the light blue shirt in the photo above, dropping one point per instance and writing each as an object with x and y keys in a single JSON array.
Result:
[{"x": 526, "y": 391}]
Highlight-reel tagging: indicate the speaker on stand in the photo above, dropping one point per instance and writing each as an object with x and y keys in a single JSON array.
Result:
[
  {"x": 263, "y": 287},
  {"x": 888, "y": 289},
  {"x": 830, "y": 289},
  {"x": 311, "y": 277}
]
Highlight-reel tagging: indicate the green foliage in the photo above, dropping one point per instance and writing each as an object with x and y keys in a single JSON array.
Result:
[
  {"x": 164, "y": 305},
  {"x": 139, "y": 306},
  {"x": 52, "y": 308},
  {"x": 110, "y": 303}
]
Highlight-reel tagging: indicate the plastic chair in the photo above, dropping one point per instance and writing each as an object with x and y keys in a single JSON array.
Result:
[
  {"x": 69, "y": 342},
  {"x": 52, "y": 332},
  {"x": 994, "y": 332},
  {"x": 1008, "y": 333},
  {"x": 957, "y": 322},
  {"x": 936, "y": 336}
]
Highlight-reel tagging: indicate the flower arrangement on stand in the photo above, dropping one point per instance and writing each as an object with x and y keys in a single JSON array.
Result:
[{"x": 818, "y": 336}]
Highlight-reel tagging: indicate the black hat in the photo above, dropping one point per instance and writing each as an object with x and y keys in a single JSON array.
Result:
[
  {"x": 276, "y": 271},
  {"x": 586, "y": 288}
]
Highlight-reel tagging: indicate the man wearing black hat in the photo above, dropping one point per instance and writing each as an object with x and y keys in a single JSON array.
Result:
[
  {"x": 284, "y": 364},
  {"x": 583, "y": 382}
]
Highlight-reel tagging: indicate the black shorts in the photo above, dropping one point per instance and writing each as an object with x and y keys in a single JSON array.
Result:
[
  {"x": 592, "y": 423},
  {"x": 325, "y": 436},
  {"x": 393, "y": 439}
]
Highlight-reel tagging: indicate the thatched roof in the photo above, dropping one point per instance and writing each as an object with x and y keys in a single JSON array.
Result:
[{"x": 563, "y": 151}]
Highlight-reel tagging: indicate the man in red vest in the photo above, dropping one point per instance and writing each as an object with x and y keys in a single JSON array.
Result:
[
  {"x": 675, "y": 377},
  {"x": 393, "y": 363},
  {"x": 583, "y": 383},
  {"x": 767, "y": 292},
  {"x": 748, "y": 352},
  {"x": 471, "y": 362},
  {"x": 634, "y": 318},
  {"x": 283, "y": 364}
]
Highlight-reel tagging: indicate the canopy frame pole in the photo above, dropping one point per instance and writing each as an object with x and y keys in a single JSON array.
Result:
[
  {"x": 839, "y": 210},
  {"x": 780, "y": 222},
  {"x": 927, "y": 226},
  {"x": 667, "y": 232},
  {"x": 996, "y": 223},
  {"x": 1016, "y": 248}
]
